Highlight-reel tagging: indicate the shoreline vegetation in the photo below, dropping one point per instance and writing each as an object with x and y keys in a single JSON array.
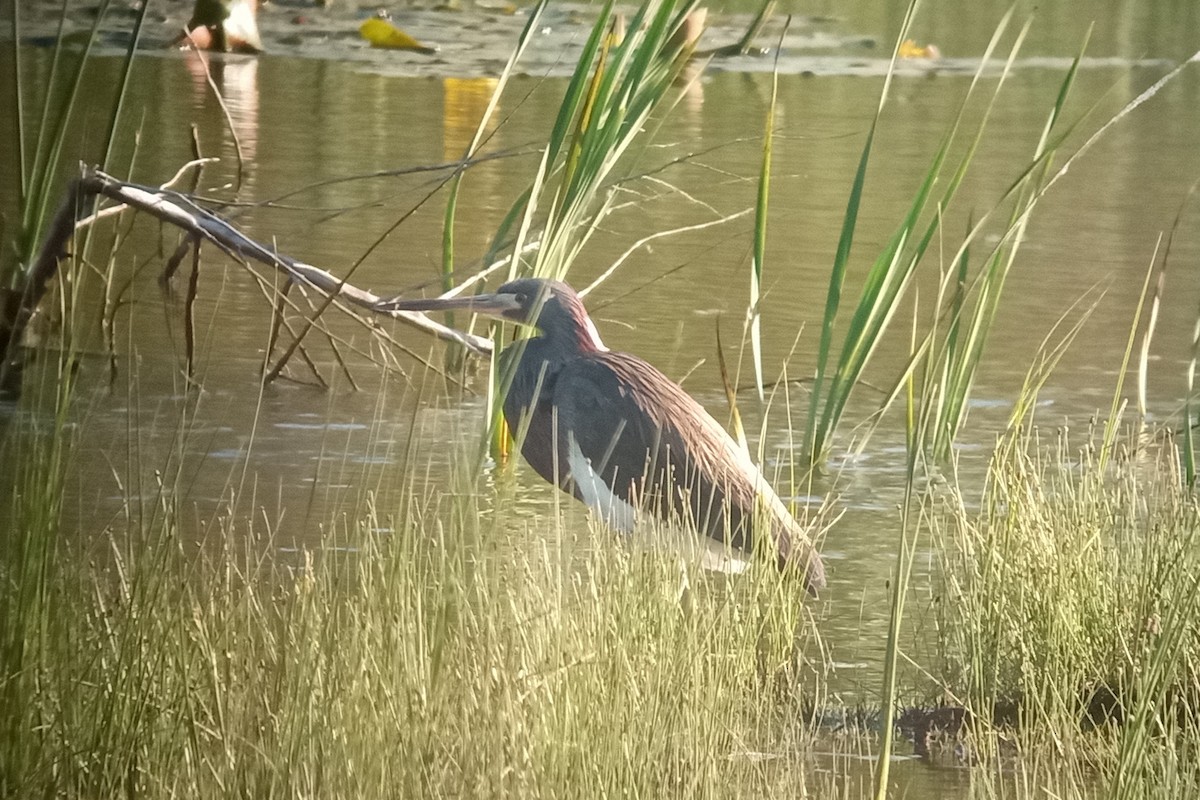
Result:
[{"x": 438, "y": 644}]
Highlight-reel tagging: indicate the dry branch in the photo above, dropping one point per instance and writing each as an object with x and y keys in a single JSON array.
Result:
[
  {"x": 17, "y": 306},
  {"x": 177, "y": 209}
]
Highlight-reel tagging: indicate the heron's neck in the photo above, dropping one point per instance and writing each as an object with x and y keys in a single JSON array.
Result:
[{"x": 574, "y": 332}]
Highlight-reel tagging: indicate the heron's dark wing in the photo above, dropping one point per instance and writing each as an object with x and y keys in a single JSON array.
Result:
[
  {"x": 653, "y": 445},
  {"x": 529, "y": 410}
]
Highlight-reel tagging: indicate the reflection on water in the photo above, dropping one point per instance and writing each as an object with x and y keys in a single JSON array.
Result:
[
  {"x": 232, "y": 84},
  {"x": 301, "y": 121},
  {"x": 464, "y": 102}
]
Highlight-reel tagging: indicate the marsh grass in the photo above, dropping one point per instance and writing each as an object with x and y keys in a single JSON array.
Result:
[
  {"x": 449, "y": 649},
  {"x": 949, "y": 349},
  {"x": 1070, "y": 598},
  {"x": 1044, "y": 698},
  {"x": 623, "y": 75},
  {"x": 442, "y": 641},
  {"x": 880, "y": 296}
]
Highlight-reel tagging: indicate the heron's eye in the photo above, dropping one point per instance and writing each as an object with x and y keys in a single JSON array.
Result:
[{"x": 522, "y": 298}]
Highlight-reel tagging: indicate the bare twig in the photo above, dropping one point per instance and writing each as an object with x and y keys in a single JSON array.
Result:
[
  {"x": 17, "y": 305},
  {"x": 172, "y": 265},
  {"x": 658, "y": 235},
  {"x": 197, "y": 154},
  {"x": 337, "y": 354},
  {"x": 488, "y": 270},
  {"x": 280, "y": 308},
  {"x": 334, "y": 345},
  {"x": 177, "y": 209},
  {"x": 195, "y": 163},
  {"x": 270, "y": 293},
  {"x": 201, "y": 225},
  {"x": 189, "y": 313},
  {"x": 331, "y": 296},
  {"x": 397, "y": 172},
  {"x": 303, "y": 351},
  {"x": 237, "y": 143}
]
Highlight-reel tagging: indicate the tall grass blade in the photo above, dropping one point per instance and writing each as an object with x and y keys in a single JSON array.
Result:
[
  {"x": 894, "y": 267},
  {"x": 1187, "y": 444},
  {"x": 448, "y": 240},
  {"x": 735, "y": 416},
  {"x": 1143, "y": 371},
  {"x": 905, "y": 551},
  {"x": 1047, "y": 357},
  {"x": 52, "y": 133},
  {"x": 760, "y": 232},
  {"x": 523, "y": 40},
  {"x": 18, "y": 103},
  {"x": 1112, "y": 422},
  {"x": 814, "y": 445},
  {"x": 891, "y": 651},
  {"x": 114, "y": 120},
  {"x": 1188, "y": 447},
  {"x": 902, "y": 571},
  {"x": 765, "y": 9}
]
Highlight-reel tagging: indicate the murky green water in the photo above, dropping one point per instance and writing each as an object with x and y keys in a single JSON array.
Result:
[{"x": 321, "y": 106}]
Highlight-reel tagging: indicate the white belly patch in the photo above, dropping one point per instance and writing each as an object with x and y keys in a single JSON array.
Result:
[
  {"x": 621, "y": 516},
  {"x": 596, "y": 493}
]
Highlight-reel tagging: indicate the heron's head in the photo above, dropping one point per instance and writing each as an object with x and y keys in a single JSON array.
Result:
[{"x": 552, "y": 307}]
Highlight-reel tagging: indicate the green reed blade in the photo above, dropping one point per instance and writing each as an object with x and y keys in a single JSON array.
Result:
[
  {"x": 962, "y": 363},
  {"x": 1111, "y": 423},
  {"x": 52, "y": 133},
  {"x": 18, "y": 99},
  {"x": 894, "y": 266},
  {"x": 735, "y": 416},
  {"x": 114, "y": 120},
  {"x": 891, "y": 650},
  {"x": 760, "y": 232}
]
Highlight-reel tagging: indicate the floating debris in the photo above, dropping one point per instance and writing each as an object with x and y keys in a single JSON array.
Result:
[
  {"x": 910, "y": 49},
  {"x": 381, "y": 33}
]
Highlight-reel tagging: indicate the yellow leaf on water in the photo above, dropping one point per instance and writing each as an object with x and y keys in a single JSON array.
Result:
[
  {"x": 381, "y": 33},
  {"x": 910, "y": 49}
]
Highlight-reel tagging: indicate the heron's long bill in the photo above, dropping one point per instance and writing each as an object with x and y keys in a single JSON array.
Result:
[{"x": 493, "y": 305}]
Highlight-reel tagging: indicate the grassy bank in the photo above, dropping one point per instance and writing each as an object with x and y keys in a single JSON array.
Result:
[
  {"x": 1069, "y": 606},
  {"x": 444, "y": 644},
  {"x": 443, "y": 649}
]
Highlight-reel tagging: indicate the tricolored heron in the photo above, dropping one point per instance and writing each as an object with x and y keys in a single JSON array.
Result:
[{"x": 619, "y": 435}]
